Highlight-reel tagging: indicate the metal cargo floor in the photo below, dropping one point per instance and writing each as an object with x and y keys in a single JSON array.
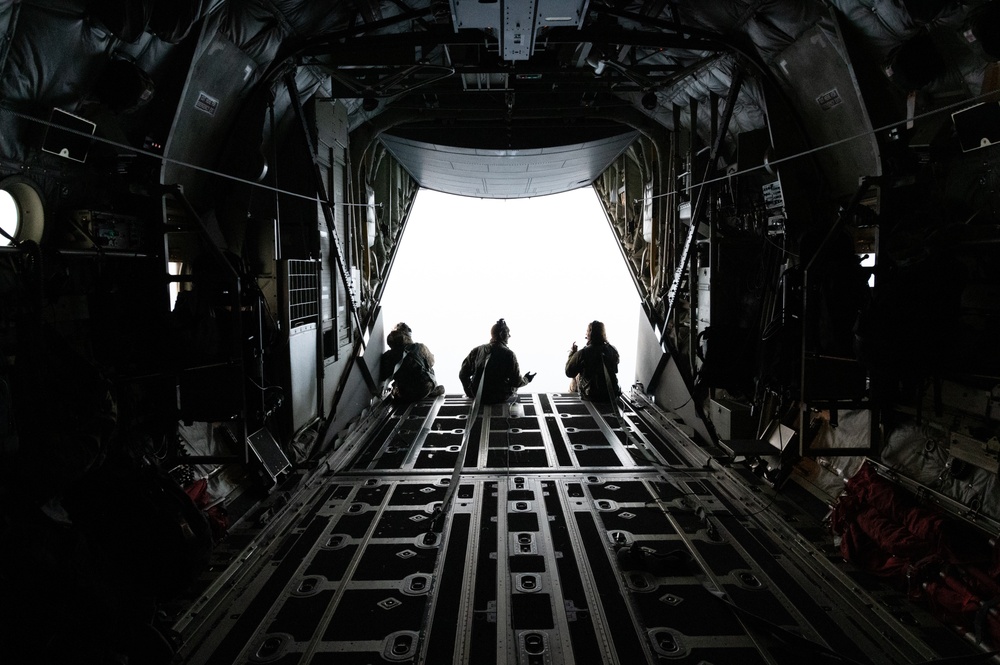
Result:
[{"x": 567, "y": 541}]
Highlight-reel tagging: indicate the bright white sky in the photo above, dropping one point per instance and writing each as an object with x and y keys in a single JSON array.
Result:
[
  {"x": 8, "y": 216},
  {"x": 548, "y": 265}
]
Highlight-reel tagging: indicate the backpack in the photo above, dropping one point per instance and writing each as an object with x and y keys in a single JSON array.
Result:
[{"x": 412, "y": 373}]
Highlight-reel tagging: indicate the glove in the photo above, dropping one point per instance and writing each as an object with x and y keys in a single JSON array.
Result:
[
  {"x": 529, "y": 376},
  {"x": 573, "y": 349}
]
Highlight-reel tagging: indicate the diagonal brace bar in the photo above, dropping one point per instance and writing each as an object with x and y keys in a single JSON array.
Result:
[{"x": 682, "y": 264}]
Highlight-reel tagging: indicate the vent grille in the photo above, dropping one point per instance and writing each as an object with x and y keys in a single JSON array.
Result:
[{"x": 303, "y": 292}]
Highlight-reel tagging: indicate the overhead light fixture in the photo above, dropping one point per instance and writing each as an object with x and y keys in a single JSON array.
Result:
[
  {"x": 369, "y": 104},
  {"x": 650, "y": 101}
]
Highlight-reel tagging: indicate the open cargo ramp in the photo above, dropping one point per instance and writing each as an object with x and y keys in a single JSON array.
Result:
[{"x": 575, "y": 535}]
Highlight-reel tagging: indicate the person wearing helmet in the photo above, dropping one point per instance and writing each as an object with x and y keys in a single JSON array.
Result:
[
  {"x": 594, "y": 368},
  {"x": 410, "y": 366},
  {"x": 502, "y": 374}
]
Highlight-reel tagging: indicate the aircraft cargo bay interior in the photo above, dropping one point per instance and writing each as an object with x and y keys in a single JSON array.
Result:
[{"x": 221, "y": 444}]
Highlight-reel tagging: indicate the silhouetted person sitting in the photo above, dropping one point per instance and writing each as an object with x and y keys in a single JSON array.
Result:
[
  {"x": 502, "y": 375},
  {"x": 594, "y": 367},
  {"x": 410, "y": 366}
]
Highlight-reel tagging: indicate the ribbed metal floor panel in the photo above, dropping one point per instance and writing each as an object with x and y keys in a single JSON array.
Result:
[{"x": 565, "y": 542}]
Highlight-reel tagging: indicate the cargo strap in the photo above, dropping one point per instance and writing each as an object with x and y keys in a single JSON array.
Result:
[{"x": 460, "y": 462}]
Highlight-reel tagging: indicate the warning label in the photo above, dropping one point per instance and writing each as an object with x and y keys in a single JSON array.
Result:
[
  {"x": 829, "y": 99},
  {"x": 207, "y": 104}
]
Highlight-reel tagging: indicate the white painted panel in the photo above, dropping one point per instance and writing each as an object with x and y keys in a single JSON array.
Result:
[{"x": 302, "y": 354}]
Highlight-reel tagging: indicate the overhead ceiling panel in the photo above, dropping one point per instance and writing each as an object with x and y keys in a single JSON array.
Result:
[
  {"x": 506, "y": 174},
  {"x": 517, "y": 22}
]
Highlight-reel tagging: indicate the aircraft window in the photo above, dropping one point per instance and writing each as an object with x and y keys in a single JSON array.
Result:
[
  {"x": 174, "y": 268},
  {"x": 868, "y": 261},
  {"x": 10, "y": 218},
  {"x": 549, "y": 265},
  {"x": 21, "y": 212}
]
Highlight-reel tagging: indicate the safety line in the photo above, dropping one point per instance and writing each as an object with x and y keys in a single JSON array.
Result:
[
  {"x": 175, "y": 162},
  {"x": 820, "y": 148},
  {"x": 831, "y": 144},
  {"x": 456, "y": 473}
]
